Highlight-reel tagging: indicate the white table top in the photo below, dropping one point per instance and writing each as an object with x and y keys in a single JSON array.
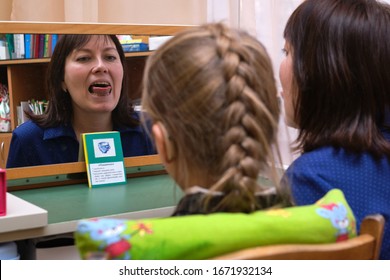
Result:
[{"x": 22, "y": 215}]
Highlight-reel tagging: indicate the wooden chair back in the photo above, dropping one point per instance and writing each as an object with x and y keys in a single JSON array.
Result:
[{"x": 366, "y": 246}]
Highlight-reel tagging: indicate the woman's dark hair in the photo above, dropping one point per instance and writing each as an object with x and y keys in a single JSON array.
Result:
[
  {"x": 60, "y": 111},
  {"x": 341, "y": 54}
]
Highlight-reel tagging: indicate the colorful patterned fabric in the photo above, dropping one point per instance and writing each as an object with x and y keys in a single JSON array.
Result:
[{"x": 205, "y": 236}]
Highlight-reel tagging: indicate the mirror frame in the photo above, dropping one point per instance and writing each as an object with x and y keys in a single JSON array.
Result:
[
  {"x": 83, "y": 28},
  {"x": 51, "y": 175}
]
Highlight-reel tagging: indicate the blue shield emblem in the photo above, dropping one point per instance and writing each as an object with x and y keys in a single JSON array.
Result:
[{"x": 104, "y": 147}]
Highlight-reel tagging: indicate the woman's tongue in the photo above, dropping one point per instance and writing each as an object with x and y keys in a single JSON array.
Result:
[{"x": 100, "y": 90}]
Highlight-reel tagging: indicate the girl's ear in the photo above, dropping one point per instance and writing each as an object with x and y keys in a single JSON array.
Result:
[{"x": 164, "y": 144}]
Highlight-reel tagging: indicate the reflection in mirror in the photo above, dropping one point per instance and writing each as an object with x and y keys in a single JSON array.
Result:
[
  {"x": 25, "y": 79},
  {"x": 85, "y": 86}
]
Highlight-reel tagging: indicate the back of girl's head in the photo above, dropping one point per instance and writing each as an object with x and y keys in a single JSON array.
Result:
[
  {"x": 213, "y": 89},
  {"x": 341, "y": 52}
]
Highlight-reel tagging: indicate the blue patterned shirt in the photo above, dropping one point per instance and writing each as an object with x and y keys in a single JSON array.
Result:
[
  {"x": 33, "y": 145},
  {"x": 364, "y": 181}
]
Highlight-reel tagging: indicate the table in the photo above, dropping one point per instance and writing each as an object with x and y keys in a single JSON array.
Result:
[{"x": 141, "y": 197}]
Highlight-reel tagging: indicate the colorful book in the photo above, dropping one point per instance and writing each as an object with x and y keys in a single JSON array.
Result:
[
  {"x": 46, "y": 45},
  {"x": 135, "y": 47},
  {"x": 103, "y": 157},
  {"x": 10, "y": 45},
  {"x": 125, "y": 39},
  {"x": 35, "y": 52},
  {"x": 41, "y": 46},
  {"x": 54, "y": 40},
  {"x": 28, "y": 45}
]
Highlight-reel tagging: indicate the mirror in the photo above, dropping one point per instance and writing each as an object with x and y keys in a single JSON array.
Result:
[{"x": 24, "y": 76}]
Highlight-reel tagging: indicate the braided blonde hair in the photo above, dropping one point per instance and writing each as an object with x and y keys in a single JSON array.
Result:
[{"x": 213, "y": 89}]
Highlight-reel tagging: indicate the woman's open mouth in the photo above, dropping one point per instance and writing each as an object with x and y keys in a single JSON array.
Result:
[{"x": 100, "y": 88}]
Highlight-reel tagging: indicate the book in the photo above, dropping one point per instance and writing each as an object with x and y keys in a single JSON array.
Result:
[
  {"x": 103, "y": 157},
  {"x": 125, "y": 39},
  {"x": 134, "y": 43},
  {"x": 156, "y": 41},
  {"x": 54, "y": 40},
  {"x": 10, "y": 45},
  {"x": 28, "y": 45},
  {"x": 35, "y": 52},
  {"x": 46, "y": 45},
  {"x": 19, "y": 46},
  {"x": 135, "y": 47},
  {"x": 21, "y": 112},
  {"x": 41, "y": 45},
  {"x": 3, "y": 50}
]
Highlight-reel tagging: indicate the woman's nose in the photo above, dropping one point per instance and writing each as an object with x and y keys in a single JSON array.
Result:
[{"x": 100, "y": 66}]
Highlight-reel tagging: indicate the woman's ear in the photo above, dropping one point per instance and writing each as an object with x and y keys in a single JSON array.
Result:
[{"x": 164, "y": 144}]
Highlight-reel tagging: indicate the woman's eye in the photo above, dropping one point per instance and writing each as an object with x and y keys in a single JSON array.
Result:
[
  {"x": 82, "y": 58},
  {"x": 111, "y": 57},
  {"x": 285, "y": 52}
]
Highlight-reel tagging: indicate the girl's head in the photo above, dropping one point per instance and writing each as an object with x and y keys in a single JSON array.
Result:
[
  {"x": 211, "y": 96},
  {"x": 60, "y": 80},
  {"x": 335, "y": 77}
]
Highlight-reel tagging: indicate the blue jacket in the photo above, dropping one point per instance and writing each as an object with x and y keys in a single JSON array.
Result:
[
  {"x": 33, "y": 145},
  {"x": 364, "y": 181}
]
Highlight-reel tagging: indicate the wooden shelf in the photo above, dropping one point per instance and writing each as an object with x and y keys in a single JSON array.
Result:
[
  {"x": 47, "y": 59},
  {"x": 88, "y": 28}
]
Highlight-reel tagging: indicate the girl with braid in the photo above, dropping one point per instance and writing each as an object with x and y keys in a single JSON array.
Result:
[{"x": 211, "y": 97}]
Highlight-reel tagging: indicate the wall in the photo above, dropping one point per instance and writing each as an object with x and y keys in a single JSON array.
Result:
[
  {"x": 5, "y": 9},
  {"x": 37, "y": 10},
  {"x": 153, "y": 11},
  {"x": 109, "y": 11}
]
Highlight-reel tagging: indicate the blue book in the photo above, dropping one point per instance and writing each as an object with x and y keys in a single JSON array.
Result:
[
  {"x": 54, "y": 40},
  {"x": 135, "y": 47},
  {"x": 27, "y": 46}
]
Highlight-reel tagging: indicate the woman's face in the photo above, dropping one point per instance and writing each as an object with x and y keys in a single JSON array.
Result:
[
  {"x": 286, "y": 80},
  {"x": 93, "y": 76}
]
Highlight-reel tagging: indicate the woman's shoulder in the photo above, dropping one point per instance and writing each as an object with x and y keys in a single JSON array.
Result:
[
  {"x": 332, "y": 161},
  {"x": 320, "y": 156},
  {"x": 28, "y": 128},
  {"x": 319, "y": 162},
  {"x": 31, "y": 131}
]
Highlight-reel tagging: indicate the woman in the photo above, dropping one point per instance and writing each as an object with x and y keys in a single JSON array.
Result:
[
  {"x": 211, "y": 97},
  {"x": 336, "y": 92},
  {"x": 87, "y": 92}
]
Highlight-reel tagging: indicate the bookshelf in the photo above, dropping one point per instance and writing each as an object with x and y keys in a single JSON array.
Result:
[{"x": 25, "y": 77}]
